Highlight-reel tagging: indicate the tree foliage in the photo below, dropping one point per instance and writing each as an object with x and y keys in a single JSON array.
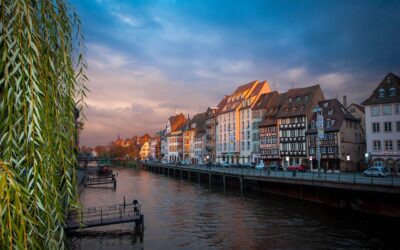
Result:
[{"x": 42, "y": 82}]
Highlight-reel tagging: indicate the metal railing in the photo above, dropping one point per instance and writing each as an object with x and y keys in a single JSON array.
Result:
[{"x": 312, "y": 176}]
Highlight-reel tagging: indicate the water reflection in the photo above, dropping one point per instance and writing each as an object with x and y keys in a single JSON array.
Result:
[{"x": 183, "y": 215}]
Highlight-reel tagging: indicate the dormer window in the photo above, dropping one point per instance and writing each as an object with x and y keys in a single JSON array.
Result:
[
  {"x": 381, "y": 93},
  {"x": 306, "y": 98},
  {"x": 325, "y": 104},
  {"x": 297, "y": 98},
  {"x": 330, "y": 112},
  {"x": 328, "y": 123},
  {"x": 392, "y": 92},
  {"x": 290, "y": 99}
]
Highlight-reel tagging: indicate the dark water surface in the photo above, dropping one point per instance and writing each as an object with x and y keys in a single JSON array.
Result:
[{"x": 188, "y": 215}]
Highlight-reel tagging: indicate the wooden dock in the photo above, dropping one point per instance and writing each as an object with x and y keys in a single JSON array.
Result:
[
  {"x": 101, "y": 180},
  {"x": 106, "y": 215}
]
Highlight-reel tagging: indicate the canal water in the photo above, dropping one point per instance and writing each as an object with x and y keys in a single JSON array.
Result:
[{"x": 188, "y": 215}]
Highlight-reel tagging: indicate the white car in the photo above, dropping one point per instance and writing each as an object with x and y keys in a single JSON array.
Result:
[
  {"x": 376, "y": 172},
  {"x": 260, "y": 165}
]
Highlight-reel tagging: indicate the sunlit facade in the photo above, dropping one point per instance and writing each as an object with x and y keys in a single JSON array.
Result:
[{"x": 233, "y": 130}]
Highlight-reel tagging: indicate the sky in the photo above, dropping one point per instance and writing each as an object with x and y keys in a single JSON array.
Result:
[{"x": 149, "y": 60}]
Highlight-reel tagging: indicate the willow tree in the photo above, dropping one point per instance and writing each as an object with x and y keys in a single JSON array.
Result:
[{"x": 42, "y": 83}]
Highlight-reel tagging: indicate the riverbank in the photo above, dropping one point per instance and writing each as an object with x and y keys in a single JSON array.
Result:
[{"x": 379, "y": 198}]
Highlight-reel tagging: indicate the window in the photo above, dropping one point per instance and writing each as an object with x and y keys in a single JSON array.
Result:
[
  {"x": 312, "y": 151},
  {"x": 312, "y": 124},
  {"x": 330, "y": 112},
  {"x": 331, "y": 150},
  {"x": 375, "y": 127},
  {"x": 398, "y": 126},
  {"x": 387, "y": 109},
  {"x": 397, "y": 108},
  {"x": 375, "y": 111},
  {"x": 398, "y": 144},
  {"x": 376, "y": 145},
  {"x": 381, "y": 93},
  {"x": 392, "y": 92},
  {"x": 328, "y": 123},
  {"x": 388, "y": 126},
  {"x": 388, "y": 145}
]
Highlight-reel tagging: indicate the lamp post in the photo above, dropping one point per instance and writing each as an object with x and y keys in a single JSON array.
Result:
[
  {"x": 348, "y": 160},
  {"x": 311, "y": 166},
  {"x": 366, "y": 158},
  {"x": 287, "y": 160},
  {"x": 320, "y": 135}
]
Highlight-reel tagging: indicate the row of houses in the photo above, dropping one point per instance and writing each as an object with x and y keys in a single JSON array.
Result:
[{"x": 256, "y": 124}]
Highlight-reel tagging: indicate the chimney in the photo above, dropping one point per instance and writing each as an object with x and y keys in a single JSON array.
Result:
[{"x": 345, "y": 101}]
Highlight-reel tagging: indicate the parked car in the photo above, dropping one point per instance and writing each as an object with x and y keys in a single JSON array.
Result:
[
  {"x": 184, "y": 163},
  {"x": 299, "y": 168},
  {"x": 377, "y": 172},
  {"x": 248, "y": 165},
  {"x": 260, "y": 165},
  {"x": 226, "y": 164},
  {"x": 216, "y": 164},
  {"x": 275, "y": 167}
]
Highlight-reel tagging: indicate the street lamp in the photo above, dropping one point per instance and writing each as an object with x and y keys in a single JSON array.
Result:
[
  {"x": 287, "y": 160},
  {"x": 366, "y": 158},
  {"x": 311, "y": 166},
  {"x": 320, "y": 135},
  {"x": 348, "y": 160}
]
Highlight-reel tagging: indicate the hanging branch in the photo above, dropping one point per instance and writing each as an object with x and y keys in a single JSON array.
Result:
[{"x": 42, "y": 84}]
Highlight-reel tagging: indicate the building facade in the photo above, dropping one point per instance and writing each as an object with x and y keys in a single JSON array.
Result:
[
  {"x": 343, "y": 145},
  {"x": 249, "y": 141},
  {"x": 294, "y": 117},
  {"x": 269, "y": 128},
  {"x": 382, "y": 124},
  {"x": 174, "y": 138},
  {"x": 145, "y": 151},
  {"x": 233, "y": 130},
  {"x": 211, "y": 123}
]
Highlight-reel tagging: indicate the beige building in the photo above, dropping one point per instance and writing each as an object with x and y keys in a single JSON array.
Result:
[{"x": 234, "y": 118}]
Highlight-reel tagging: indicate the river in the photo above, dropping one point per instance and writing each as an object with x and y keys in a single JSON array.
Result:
[{"x": 187, "y": 215}]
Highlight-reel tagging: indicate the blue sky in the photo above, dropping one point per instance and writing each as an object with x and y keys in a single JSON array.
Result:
[{"x": 151, "y": 59}]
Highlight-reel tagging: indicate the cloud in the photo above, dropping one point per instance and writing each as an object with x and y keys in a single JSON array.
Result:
[
  {"x": 168, "y": 56},
  {"x": 129, "y": 20}
]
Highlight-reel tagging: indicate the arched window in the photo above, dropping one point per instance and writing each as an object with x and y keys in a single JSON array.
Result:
[{"x": 381, "y": 93}]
